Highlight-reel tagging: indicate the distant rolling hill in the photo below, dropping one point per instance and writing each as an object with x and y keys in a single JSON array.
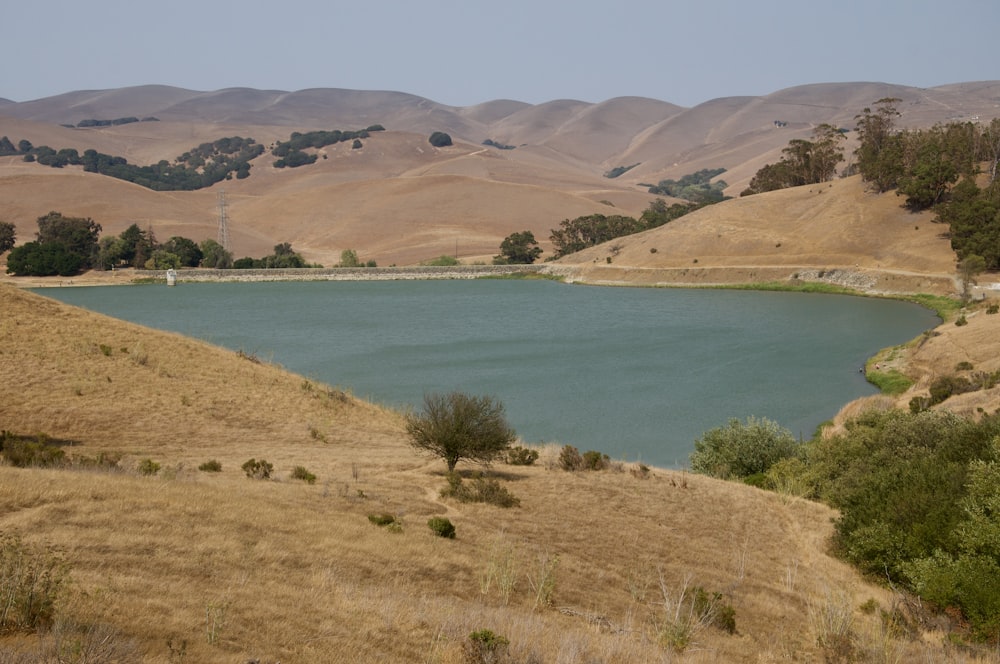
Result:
[{"x": 399, "y": 200}]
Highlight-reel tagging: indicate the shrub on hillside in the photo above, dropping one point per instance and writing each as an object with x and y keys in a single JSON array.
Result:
[
  {"x": 27, "y": 451},
  {"x": 148, "y": 467},
  {"x": 570, "y": 458},
  {"x": 300, "y": 473},
  {"x": 740, "y": 450},
  {"x": 480, "y": 490},
  {"x": 211, "y": 466},
  {"x": 521, "y": 456},
  {"x": 257, "y": 470},
  {"x": 31, "y": 582},
  {"x": 441, "y": 527}
]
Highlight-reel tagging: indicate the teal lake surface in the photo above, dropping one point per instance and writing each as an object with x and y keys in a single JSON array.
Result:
[{"x": 637, "y": 373}]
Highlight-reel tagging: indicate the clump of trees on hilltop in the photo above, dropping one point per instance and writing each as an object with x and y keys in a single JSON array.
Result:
[
  {"x": 935, "y": 169},
  {"x": 292, "y": 154},
  {"x": 802, "y": 162},
  {"x": 199, "y": 167}
]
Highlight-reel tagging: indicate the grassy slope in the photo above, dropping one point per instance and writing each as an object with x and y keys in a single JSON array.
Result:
[{"x": 302, "y": 574}]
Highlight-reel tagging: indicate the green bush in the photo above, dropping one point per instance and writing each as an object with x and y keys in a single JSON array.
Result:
[
  {"x": 739, "y": 450},
  {"x": 481, "y": 490},
  {"x": 442, "y": 527},
  {"x": 964, "y": 365},
  {"x": 257, "y": 470},
  {"x": 439, "y": 139},
  {"x": 31, "y": 582},
  {"x": 300, "y": 473},
  {"x": 211, "y": 466},
  {"x": 595, "y": 460},
  {"x": 485, "y": 647},
  {"x": 148, "y": 467},
  {"x": 382, "y": 519},
  {"x": 521, "y": 456},
  {"x": 992, "y": 309},
  {"x": 25, "y": 452}
]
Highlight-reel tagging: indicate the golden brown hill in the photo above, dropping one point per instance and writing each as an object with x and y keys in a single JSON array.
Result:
[
  {"x": 228, "y": 569},
  {"x": 368, "y": 200}
]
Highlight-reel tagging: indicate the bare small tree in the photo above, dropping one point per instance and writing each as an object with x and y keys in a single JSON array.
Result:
[{"x": 458, "y": 426}]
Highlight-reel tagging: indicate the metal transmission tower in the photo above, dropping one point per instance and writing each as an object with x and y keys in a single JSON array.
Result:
[{"x": 223, "y": 222}]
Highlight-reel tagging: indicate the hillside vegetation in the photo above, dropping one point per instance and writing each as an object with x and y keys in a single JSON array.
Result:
[
  {"x": 221, "y": 568},
  {"x": 397, "y": 199}
]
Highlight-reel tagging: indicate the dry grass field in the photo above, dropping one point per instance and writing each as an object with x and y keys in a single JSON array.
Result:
[
  {"x": 192, "y": 566},
  {"x": 189, "y": 566}
]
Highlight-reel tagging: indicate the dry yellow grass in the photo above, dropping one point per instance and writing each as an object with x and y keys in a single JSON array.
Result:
[{"x": 284, "y": 570}]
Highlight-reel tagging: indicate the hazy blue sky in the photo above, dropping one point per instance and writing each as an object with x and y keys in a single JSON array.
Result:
[{"x": 463, "y": 52}]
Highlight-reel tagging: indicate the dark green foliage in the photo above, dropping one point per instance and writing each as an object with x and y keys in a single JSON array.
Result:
[
  {"x": 802, "y": 162},
  {"x": 499, "y": 146},
  {"x": 82, "y": 124},
  {"x": 382, "y": 519},
  {"x": 257, "y": 470},
  {"x": 918, "y": 504},
  {"x": 187, "y": 251},
  {"x": 375, "y": 127},
  {"x": 518, "y": 249},
  {"x": 973, "y": 217},
  {"x": 442, "y": 527},
  {"x": 148, "y": 467},
  {"x": 593, "y": 460},
  {"x": 621, "y": 170},
  {"x": 211, "y": 466},
  {"x": 6, "y": 147},
  {"x": 741, "y": 450},
  {"x": 458, "y": 426},
  {"x": 521, "y": 456},
  {"x": 200, "y": 167},
  {"x": 880, "y": 153},
  {"x": 577, "y": 234},
  {"x": 31, "y": 583},
  {"x": 439, "y": 139},
  {"x": 992, "y": 309},
  {"x": 65, "y": 246},
  {"x": 283, "y": 257},
  {"x": 214, "y": 255},
  {"x": 659, "y": 213},
  {"x": 300, "y": 473},
  {"x": 480, "y": 490},
  {"x": 31, "y": 451},
  {"x": 485, "y": 647},
  {"x": 43, "y": 260},
  {"x": 695, "y": 187},
  {"x": 357, "y": 144},
  {"x": 295, "y": 158}
]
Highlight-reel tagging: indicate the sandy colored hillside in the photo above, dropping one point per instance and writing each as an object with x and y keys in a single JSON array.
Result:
[
  {"x": 236, "y": 569},
  {"x": 365, "y": 199}
]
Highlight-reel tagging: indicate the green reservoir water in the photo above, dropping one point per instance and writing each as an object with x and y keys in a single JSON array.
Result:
[{"x": 638, "y": 373}]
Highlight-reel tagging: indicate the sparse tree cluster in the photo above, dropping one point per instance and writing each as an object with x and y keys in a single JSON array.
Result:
[{"x": 802, "y": 162}]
